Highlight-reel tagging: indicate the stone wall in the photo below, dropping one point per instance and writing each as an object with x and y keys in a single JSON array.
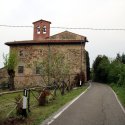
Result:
[
  {"x": 29, "y": 55},
  {"x": 3, "y": 76}
]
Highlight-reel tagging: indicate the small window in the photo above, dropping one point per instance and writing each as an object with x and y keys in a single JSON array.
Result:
[
  {"x": 44, "y": 29},
  {"x": 20, "y": 69},
  {"x": 38, "y": 29},
  {"x": 37, "y": 70},
  {"x": 21, "y": 53}
]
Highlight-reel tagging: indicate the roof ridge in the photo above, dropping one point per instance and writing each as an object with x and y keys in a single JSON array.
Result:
[{"x": 67, "y": 35}]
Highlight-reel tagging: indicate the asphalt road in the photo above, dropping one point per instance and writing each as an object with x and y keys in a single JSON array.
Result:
[{"x": 98, "y": 106}]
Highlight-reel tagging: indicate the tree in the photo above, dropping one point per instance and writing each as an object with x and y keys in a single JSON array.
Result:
[
  {"x": 101, "y": 68},
  {"x": 123, "y": 58},
  {"x": 118, "y": 57},
  {"x": 10, "y": 63},
  {"x": 114, "y": 71},
  {"x": 109, "y": 71},
  {"x": 95, "y": 68},
  {"x": 56, "y": 69},
  {"x": 87, "y": 66}
]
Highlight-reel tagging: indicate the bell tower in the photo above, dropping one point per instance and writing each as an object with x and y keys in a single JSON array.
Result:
[{"x": 41, "y": 29}]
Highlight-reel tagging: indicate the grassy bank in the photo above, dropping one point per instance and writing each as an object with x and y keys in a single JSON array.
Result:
[
  {"x": 40, "y": 113},
  {"x": 120, "y": 91}
]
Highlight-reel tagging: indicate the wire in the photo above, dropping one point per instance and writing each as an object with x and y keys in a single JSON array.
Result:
[
  {"x": 88, "y": 28},
  {"x": 79, "y": 28},
  {"x": 14, "y": 26}
]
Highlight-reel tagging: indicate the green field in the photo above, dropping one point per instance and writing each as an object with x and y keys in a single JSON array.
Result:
[{"x": 38, "y": 113}]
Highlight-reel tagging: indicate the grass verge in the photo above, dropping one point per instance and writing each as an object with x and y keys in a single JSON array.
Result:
[
  {"x": 40, "y": 113},
  {"x": 120, "y": 91}
]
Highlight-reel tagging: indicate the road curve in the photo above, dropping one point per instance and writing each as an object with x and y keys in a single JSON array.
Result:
[{"x": 98, "y": 106}]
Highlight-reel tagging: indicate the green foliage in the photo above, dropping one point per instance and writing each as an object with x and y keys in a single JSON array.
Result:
[
  {"x": 109, "y": 72},
  {"x": 120, "y": 91},
  {"x": 100, "y": 69},
  {"x": 55, "y": 67},
  {"x": 123, "y": 58},
  {"x": 114, "y": 71},
  {"x": 117, "y": 72},
  {"x": 87, "y": 66},
  {"x": 38, "y": 113},
  {"x": 10, "y": 61},
  {"x": 120, "y": 58}
]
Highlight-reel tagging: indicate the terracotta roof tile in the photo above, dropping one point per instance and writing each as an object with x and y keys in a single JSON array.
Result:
[{"x": 29, "y": 42}]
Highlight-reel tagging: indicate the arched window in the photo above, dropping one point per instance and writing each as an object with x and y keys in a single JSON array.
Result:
[
  {"x": 38, "y": 29},
  {"x": 21, "y": 53},
  {"x": 44, "y": 29}
]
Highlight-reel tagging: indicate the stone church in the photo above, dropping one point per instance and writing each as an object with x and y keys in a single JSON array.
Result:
[{"x": 29, "y": 51}]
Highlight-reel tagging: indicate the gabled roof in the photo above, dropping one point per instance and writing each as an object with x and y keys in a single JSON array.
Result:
[
  {"x": 65, "y": 37},
  {"x": 42, "y": 20}
]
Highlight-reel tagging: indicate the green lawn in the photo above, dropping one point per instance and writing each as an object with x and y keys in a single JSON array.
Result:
[
  {"x": 39, "y": 113},
  {"x": 120, "y": 91}
]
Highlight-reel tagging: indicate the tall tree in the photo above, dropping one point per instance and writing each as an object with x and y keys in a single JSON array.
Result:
[
  {"x": 101, "y": 68},
  {"x": 87, "y": 66},
  {"x": 123, "y": 58},
  {"x": 10, "y": 63},
  {"x": 118, "y": 57},
  {"x": 95, "y": 68}
]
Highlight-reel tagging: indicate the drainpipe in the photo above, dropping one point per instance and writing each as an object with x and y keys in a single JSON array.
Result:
[
  {"x": 48, "y": 64},
  {"x": 80, "y": 82}
]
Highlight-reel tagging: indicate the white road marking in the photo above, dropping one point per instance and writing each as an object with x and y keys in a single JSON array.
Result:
[
  {"x": 58, "y": 114},
  {"x": 118, "y": 101}
]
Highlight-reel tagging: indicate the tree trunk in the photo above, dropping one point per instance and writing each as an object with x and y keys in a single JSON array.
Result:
[
  {"x": 63, "y": 88},
  {"x": 11, "y": 74}
]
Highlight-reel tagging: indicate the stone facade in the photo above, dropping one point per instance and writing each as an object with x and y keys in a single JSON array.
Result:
[
  {"x": 34, "y": 51},
  {"x": 3, "y": 76}
]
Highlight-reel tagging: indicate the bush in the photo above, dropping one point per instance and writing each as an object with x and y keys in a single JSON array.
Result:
[{"x": 43, "y": 97}]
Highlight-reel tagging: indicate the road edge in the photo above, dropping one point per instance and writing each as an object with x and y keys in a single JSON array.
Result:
[
  {"x": 119, "y": 102},
  {"x": 54, "y": 116}
]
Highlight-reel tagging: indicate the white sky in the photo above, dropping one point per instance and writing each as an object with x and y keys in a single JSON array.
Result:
[{"x": 66, "y": 13}]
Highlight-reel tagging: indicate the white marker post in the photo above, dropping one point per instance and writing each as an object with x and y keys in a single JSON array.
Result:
[
  {"x": 80, "y": 83},
  {"x": 24, "y": 103}
]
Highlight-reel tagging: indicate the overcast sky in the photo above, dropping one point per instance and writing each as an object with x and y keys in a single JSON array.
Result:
[{"x": 66, "y": 13}]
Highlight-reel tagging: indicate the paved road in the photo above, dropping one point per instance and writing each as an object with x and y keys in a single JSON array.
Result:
[{"x": 98, "y": 106}]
